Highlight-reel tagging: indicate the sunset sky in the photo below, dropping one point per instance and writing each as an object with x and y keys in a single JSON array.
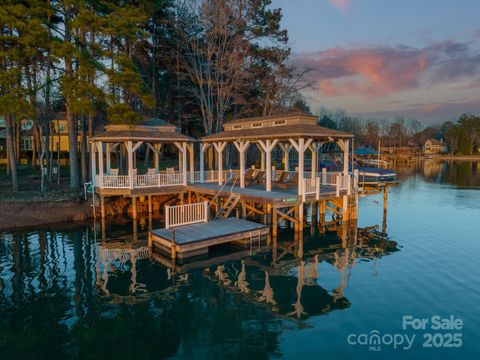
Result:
[{"x": 417, "y": 58}]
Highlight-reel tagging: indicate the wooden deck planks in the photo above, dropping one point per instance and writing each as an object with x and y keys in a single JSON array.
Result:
[
  {"x": 204, "y": 231},
  {"x": 249, "y": 193},
  {"x": 192, "y": 238}
]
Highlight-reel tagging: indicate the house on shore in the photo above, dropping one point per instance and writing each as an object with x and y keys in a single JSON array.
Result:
[{"x": 434, "y": 147}]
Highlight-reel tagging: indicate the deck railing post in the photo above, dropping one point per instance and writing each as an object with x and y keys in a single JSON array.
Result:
[
  {"x": 167, "y": 217},
  {"x": 205, "y": 204},
  {"x": 349, "y": 187},
  {"x": 355, "y": 180},
  {"x": 324, "y": 176},
  {"x": 304, "y": 197},
  {"x": 338, "y": 185},
  {"x": 317, "y": 188},
  {"x": 202, "y": 162}
]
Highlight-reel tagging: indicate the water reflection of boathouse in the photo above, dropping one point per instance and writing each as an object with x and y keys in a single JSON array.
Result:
[{"x": 282, "y": 274}]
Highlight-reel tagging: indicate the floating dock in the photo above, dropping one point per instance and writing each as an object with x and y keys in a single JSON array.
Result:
[{"x": 190, "y": 240}]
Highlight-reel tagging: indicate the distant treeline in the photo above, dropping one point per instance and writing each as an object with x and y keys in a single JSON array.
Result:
[{"x": 461, "y": 137}]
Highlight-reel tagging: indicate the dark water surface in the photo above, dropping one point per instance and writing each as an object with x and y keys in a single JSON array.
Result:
[{"x": 65, "y": 293}]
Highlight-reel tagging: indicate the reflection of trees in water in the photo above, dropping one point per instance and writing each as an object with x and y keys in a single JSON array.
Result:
[
  {"x": 459, "y": 173},
  {"x": 54, "y": 305},
  {"x": 39, "y": 295}
]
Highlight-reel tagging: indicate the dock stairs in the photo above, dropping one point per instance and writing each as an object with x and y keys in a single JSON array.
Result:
[{"x": 228, "y": 206}]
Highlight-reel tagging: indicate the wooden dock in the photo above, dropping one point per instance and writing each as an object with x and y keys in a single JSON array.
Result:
[
  {"x": 190, "y": 240},
  {"x": 258, "y": 194}
]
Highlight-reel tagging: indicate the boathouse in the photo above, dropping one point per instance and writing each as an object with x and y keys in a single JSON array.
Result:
[{"x": 272, "y": 193}]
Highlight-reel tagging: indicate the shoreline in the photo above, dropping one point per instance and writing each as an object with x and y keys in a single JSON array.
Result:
[
  {"x": 24, "y": 214},
  {"x": 458, "y": 157}
]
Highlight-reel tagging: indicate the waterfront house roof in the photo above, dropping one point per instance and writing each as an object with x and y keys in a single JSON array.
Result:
[
  {"x": 155, "y": 130},
  {"x": 285, "y": 126},
  {"x": 434, "y": 142}
]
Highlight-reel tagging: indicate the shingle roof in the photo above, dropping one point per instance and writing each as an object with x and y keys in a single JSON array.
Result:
[
  {"x": 151, "y": 135},
  {"x": 279, "y": 132},
  {"x": 148, "y": 130},
  {"x": 435, "y": 141},
  {"x": 271, "y": 117}
]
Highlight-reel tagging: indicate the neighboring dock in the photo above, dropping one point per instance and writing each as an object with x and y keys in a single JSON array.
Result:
[{"x": 195, "y": 239}]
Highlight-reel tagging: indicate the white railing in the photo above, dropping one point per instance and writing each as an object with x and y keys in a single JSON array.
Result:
[
  {"x": 311, "y": 186},
  {"x": 343, "y": 183},
  {"x": 169, "y": 178},
  {"x": 114, "y": 181},
  {"x": 145, "y": 180},
  {"x": 186, "y": 214},
  {"x": 139, "y": 181},
  {"x": 329, "y": 178}
]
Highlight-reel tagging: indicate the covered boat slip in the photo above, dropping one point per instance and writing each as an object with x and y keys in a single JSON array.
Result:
[{"x": 195, "y": 239}]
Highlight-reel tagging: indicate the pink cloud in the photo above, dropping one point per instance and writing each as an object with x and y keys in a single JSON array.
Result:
[
  {"x": 432, "y": 112},
  {"x": 341, "y": 5},
  {"x": 382, "y": 71}
]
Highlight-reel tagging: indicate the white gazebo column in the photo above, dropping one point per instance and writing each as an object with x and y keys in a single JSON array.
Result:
[
  {"x": 219, "y": 146},
  {"x": 345, "y": 156},
  {"x": 301, "y": 146},
  {"x": 93, "y": 162},
  {"x": 156, "y": 159},
  {"x": 182, "y": 160},
  {"x": 203, "y": 147},
  {"x": 191, "y": 158},
  {"x": 242, "y": 147},
  {"x": 286, "y": 155},
  {"x": 184, "y": 163},
  {"x": 267, "y": 147},
  {"x": 301, "y": 161},
  {"x": 262, "y": 158},
  {"x": 130, "y": 162},
  {"x": 108, "y": 152},
  {"x": 156, "y": 155},
  {"x": 100, "y": 161},
  {"x": 314, "y": 148}
]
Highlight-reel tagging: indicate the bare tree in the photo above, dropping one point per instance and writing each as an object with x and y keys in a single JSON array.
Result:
[{"x": 211, "y": 51}]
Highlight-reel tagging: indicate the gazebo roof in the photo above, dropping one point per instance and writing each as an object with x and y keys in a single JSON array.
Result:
[
  {"x": 286, "y": 126},
  {"x": 155, "y": 130}
]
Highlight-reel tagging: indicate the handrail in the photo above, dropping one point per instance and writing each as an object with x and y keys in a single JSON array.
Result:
[
  {"x": 186, "y": 214},
  {"x": 219, "y": 190}
]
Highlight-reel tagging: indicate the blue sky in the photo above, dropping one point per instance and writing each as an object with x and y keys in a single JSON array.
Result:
[{"x": 387, "y": 57}]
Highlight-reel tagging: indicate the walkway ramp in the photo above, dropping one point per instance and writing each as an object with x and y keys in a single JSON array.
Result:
[{"x": 195, "y": 239}]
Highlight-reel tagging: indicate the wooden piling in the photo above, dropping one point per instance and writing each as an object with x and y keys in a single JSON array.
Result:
[
  {"x": 135, "y": 231},
  {"x": 173, "y": 250},
  {"x": 274, "y": 223},
  {"x": 313, "y": 217},
  {"x": 134, "y": 207},
  {"x": 300, "y": 217},
  {"x": 102, "y": 206},
  {"x": 345, "y": 215},
  {"x": 385, "y": 207}
]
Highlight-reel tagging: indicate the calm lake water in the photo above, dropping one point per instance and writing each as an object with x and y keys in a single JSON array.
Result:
[{"x": 66, "y": 294}]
